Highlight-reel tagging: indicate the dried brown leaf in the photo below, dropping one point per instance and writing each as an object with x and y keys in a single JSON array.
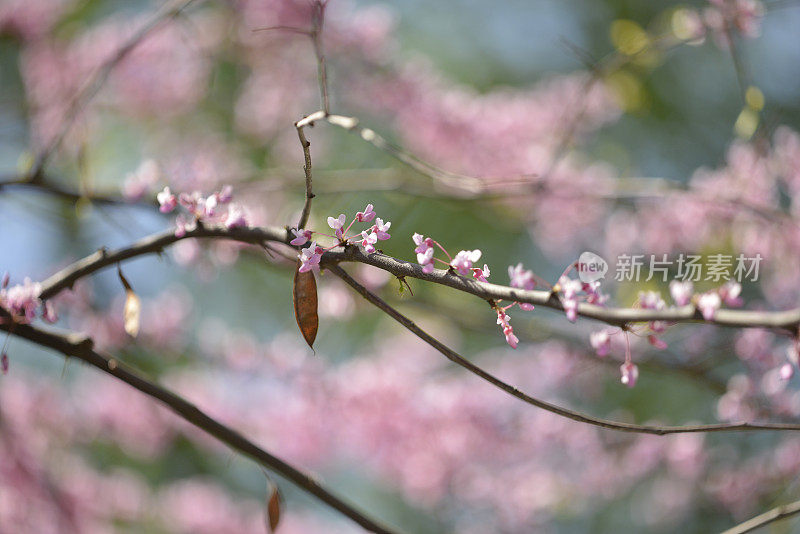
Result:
[
  {"x": 274, "y": 509},
  {"x": 305, "y": 305}
]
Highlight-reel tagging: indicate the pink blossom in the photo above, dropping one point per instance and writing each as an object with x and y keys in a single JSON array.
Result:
[
  {"x": 601, "y": 342},
  {"x": 426, "y": 260},
  {"x": 569, "y": 290},
  {"x": 301, "y": 237},
  {"x": 381, "y": 229},
  {"x": 708, "y": 304},
  {"x": 368, "y": 241},
  {"x": 225, "y": 194},
  {"x": 194, "y": 203},
  {"x": 166, "y": 200},
  {"x": 209, "y": 206},
  {"x": 657, "y": 342},
  {"x": 508, "y": 331},
  {"x": 521, "y": 278},
  {"x": 630, "y": 373},
  {"x": 309, "y": 258},
  {"x": 571, "y": 309},
  {"x": 786, "y": 371},
  {"x": 337, "y": 225},
  {"x": 424, "y": 252},
  {"x": 651, "y": 300},
  {"x": 235, "y": 217},
  {"x": 140, "y": 181},
  {"x": 367, "y": 215},
  {"x": 464, "y": 259},
  {"x": 182, "y": 225},
  {"x": 593, "y": 293},
  {"x": 729, "y": 293},
  {"x": 49, "y": 312},
  {"x": 481, "y": 274},
  {"x": 681, "y": 292},
  {"x": 22, "y": 300}
]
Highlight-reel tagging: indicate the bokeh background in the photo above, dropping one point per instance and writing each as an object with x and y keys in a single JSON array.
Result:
[{"x": 615, "y": 126}]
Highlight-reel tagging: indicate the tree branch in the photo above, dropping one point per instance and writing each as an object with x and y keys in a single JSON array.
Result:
[
  {"x": 77, "y": 346},
  {"x": 776, "y": 514},
  {"x": 47, "y": 186},
  {"x": 456, "y": 358},
  {"x": 300, "y": 125},
  {"x": 787, "y": 320}
]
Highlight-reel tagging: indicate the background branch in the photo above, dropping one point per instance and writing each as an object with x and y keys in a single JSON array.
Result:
[
  {"x": 80, "y": 347},
  {"x": 553, "y": 408}
]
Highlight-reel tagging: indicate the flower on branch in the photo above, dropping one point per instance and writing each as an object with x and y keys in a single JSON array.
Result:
[
  {"x": 481, "y": 274},
  {"x": 367, "y": 215},
  {"x": 708, "y": 304},
  {"x": 235, "y": 217},
  {"x": 630, "y": 374},
  {"x": 729, "y": 293},
  {"x": 424, "y": 252},
  {"x": 368, "y": 241},
  {"x": 601, "y": 342},
  {"x": 337, "y": 225},
  {"x": 22, "y": 301},
  {"x": 301, "y": 237},
  {"x": 166, "y": 200},
  {"x": 381, "y": 229},
  {"x": 309, "y": 258},
  {"x": 464, "y": 260},
  {"x": 681, "y": 292},
  {"x": 508, "y": 331}
]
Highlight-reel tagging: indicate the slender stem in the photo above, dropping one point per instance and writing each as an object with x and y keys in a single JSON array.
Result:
[
  {"x": 456, "y": 358},
  {"x": 776, "y": 514},
  {"x": 316, "y": 38},
  {"x": 80, "y": 347},
  {"x": 301, "y": 224}
]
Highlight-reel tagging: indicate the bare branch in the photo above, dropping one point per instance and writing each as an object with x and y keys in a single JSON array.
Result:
[
  {"x": 553, "y": 408},
  {"x": 80, "y": 347},
  {"x": 47, "y": 186},
  {"x": 776, "y": 514},
  {"x": 300, "y": 125}
]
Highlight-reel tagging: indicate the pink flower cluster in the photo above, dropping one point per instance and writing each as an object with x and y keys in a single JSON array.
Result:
[
  {"x": 311, "y": 255},
  {"x": 726, "y": 16},
  {"x": 709, "y": 302},
  {"x": 572, "y": 292},
  {"x": 22, "y": 301},
  {"x": 202, "y": 209}
]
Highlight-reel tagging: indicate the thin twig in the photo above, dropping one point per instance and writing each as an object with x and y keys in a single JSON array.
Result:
[
  {"x": 318, "y": 22},
  {"x": 306, "y": 145},
  {"x": 80, "y": 347},
  {"x": 456, "y": 358},
  {"x": 776, "y": 514},
  {"x": 45, "y": 185}
]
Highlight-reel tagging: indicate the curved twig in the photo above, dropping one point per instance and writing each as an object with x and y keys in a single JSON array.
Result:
[
  {"x": 553, "y": 408},
  {"x": 776, "y": 514}
]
